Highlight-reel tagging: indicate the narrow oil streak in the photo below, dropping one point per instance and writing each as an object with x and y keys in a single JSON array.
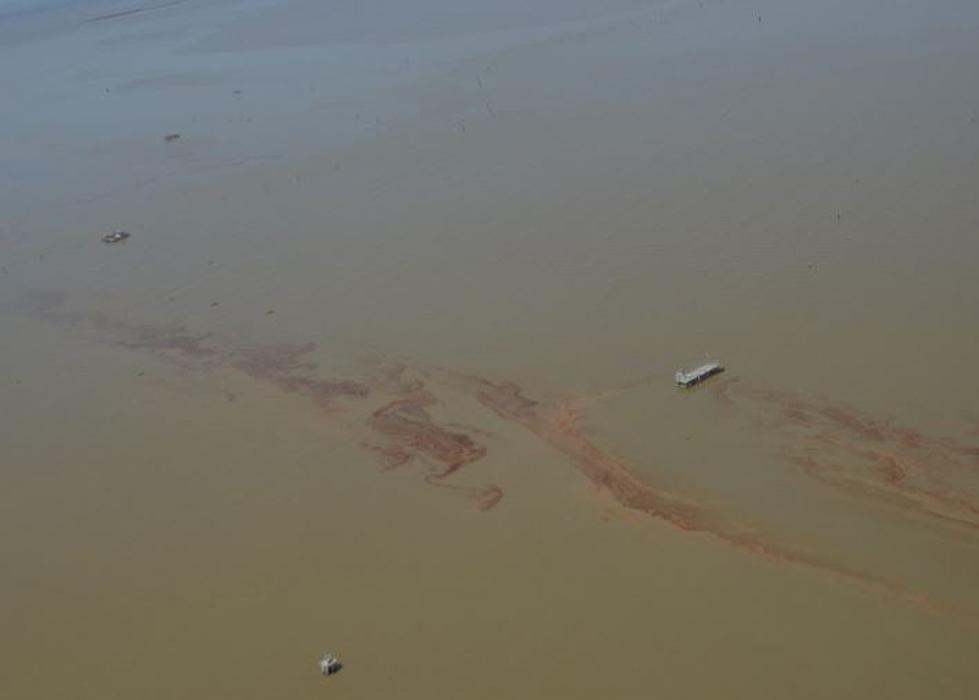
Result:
[{"x": 134, "y": 11}]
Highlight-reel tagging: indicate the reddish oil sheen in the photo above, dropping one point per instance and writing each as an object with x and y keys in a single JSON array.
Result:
[
  {"x": 558, "y": 429},
  {"x": 174, "y": 341},
  {"x": 289, "y": 368},
  {"x": 409, "y": 426},
  {"x": 926, "y": 475},
  {"x": 404, "y": 423},
  {"x": 410, "y": 433}
]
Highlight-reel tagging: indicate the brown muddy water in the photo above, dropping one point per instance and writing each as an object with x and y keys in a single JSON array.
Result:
[{"x": 386, "y": 366}]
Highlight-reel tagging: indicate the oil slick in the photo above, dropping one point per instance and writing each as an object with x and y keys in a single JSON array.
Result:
[
  {"x": 400, "y": 427},
  {"x": 395, "y": 408}
]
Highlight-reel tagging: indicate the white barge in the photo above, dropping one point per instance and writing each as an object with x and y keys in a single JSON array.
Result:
[{"x": 697, "y": 375}]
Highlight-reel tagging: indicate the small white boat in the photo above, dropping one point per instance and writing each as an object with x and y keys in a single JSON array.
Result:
[
  {"x": 115, "y": 237},
  {"x": 329, "y": 664},
  {"x": 697, "y": 375}
]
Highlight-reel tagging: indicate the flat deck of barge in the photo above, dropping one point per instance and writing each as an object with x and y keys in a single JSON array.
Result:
[{"x": 697, "y": 375}]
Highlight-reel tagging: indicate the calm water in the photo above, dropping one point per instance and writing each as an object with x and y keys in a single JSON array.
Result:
[{"x": 385, "y": 368}]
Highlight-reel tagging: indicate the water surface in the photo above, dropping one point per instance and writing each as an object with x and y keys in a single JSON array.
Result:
[{"x": 385, "y": 367}]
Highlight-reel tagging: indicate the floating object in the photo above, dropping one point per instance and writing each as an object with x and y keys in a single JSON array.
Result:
[
  {"x": 329, "y": 664},
  {"x": 115, "y": 237},
  {"x": 171, "y": 137},
  {"x": 695, "y": 376}
]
